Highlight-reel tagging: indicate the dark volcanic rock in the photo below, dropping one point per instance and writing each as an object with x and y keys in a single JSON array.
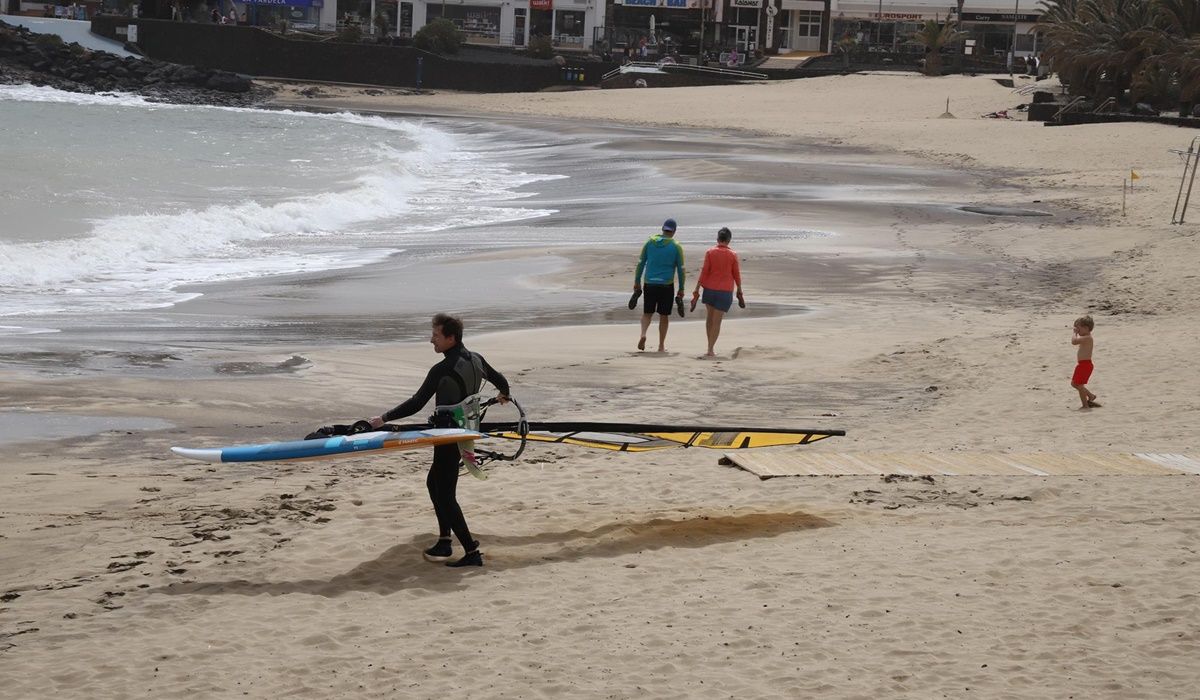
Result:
[
  {"x": 227, "y": 82},
  {"x": 43, "y": 60}
]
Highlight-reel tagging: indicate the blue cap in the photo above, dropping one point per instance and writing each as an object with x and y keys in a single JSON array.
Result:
[{"x": 669, "y": 226}]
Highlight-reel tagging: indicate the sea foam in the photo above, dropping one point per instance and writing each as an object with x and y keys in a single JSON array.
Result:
[{"x": 414, "y": 179}]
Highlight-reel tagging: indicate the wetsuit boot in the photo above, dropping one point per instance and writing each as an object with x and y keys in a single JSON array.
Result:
[
  {"x": 440, "y": 551},
  {"x": 473, "y": 557}
]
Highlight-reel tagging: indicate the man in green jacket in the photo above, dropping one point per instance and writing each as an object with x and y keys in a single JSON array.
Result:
[{"x": 661, "y": 261}]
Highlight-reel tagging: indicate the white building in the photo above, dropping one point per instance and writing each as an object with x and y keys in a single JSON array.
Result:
[{"x": 568, "y": 23}]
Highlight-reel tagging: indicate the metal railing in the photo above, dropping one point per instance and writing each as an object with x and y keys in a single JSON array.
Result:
[
  {"x": 684, "y": 68},
  {"x": 1191, "y": 158},
  {"x": 1068, "y": 107}
]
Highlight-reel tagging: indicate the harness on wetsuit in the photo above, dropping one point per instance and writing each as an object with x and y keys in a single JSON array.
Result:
[{"x": 468, "y": 415}]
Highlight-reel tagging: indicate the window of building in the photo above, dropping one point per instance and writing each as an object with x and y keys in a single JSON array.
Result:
[
  {"x": 480, "y": 24},
  {"x": 568, "y": 27}
]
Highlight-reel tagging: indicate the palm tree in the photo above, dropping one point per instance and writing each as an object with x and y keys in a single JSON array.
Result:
[
  {"x": 933, "y": 37},
  {"x": 1148, "y": 48}
]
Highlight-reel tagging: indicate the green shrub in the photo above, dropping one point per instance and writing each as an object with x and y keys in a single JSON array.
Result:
[
  {"x": 439, "y": 36},
  {"x": 541, "y": 47},
  {"x": 48, "y": 40}
]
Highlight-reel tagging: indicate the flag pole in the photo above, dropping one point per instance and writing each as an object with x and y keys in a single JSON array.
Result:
[{"x": 1122, "y": 197}]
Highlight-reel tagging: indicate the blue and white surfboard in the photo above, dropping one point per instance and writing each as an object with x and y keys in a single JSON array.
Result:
[{"x": 329, "y": 447}]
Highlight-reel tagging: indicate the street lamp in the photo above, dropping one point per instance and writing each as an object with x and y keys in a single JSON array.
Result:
[
  {"x": 1013, "y": 54},
  {"x": 879, "y": 26}
]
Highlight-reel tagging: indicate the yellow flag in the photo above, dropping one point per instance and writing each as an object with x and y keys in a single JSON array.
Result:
[{"x": 1133, "y": 175}]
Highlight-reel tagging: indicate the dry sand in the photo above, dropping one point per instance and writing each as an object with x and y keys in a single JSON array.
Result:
[{"x": 668, "y": 575}]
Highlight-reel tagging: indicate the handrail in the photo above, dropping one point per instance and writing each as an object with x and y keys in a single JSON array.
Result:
[
  {"x": 1067, "y": 108},
  {"x": 1105, "y": 105},
  {"x": 1191, "y": 160},
  {"x": 687, "y": 68}
]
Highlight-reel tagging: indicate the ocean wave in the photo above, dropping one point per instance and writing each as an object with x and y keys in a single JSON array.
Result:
[{"x": 414, "y": 180}]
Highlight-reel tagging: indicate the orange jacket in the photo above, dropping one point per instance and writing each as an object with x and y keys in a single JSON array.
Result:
[{"x": 721, "y": 271}]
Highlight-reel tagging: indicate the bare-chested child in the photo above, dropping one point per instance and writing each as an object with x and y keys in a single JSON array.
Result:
[{"x": 1082, "y": 337}]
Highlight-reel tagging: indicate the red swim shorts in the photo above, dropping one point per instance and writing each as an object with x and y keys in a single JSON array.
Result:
[{"x": 1083, "y": 372}]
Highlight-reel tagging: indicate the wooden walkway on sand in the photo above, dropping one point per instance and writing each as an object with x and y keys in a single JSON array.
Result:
[{"x": 767, "y": 465}]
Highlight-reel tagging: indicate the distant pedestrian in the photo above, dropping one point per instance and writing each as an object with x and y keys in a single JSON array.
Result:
[
  {"x": 215, "y": 16},
  {"x": 661, "y": 260},
  {"x": 233, "y": 15},
  {"x": 720, "y": 277},
  {"x": 1082, "y": 337}
]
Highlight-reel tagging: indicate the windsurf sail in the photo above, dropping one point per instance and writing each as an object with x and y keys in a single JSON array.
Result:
[
  {"x": 463, "y": 424},
  {"x": 641, "y": 437}
]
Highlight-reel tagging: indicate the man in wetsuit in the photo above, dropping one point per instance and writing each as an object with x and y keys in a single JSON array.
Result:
[
  {"x": 458, "y": 376},
  {"x": 661, "y": 260}
]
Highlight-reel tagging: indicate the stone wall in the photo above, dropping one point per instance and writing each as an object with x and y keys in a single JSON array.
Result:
[{"x": 254, "y": 51}]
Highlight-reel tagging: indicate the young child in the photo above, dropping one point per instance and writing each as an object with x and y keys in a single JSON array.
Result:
[{"x": 1082, "y": 337}]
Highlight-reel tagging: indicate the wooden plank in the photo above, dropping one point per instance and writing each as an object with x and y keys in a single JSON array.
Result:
[
  {"x": 1181, "y": 463},
  {"x": 775, "y": 464}
]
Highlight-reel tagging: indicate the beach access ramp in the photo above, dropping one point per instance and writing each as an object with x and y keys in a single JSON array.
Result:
[{"x": 72, "y": 31}]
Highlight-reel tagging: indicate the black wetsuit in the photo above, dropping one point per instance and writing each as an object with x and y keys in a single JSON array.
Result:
[{"x": 459, "y": 375}]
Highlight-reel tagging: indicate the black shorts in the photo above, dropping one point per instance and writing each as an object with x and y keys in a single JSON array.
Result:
[{"x": 658, "y": 298}]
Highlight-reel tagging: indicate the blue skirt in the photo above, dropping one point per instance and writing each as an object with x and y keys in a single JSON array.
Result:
[{"x": 721, "y": 301}]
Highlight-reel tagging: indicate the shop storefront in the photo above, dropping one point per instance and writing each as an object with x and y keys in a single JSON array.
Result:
[
  {"x": 889, "y": 27},
  {"x": 993, "y": 32},
  {"x": 742, "y": 21},
  {"x": 568, "y": 23},
  {"x": 665, "y": 27},
  {"x": 301, "y": 14}
]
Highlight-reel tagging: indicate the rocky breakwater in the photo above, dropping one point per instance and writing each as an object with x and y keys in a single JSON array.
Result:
[{"x": 44, "y": 59}]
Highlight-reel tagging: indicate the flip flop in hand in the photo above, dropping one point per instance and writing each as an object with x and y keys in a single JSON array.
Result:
[{"x": 633, "y": 300}]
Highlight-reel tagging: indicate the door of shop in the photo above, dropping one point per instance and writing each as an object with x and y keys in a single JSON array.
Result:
[
  {"x": 519, "y": 26},
  {"x": 807, "y": 33},
  {"x": 746, "y": 38}
]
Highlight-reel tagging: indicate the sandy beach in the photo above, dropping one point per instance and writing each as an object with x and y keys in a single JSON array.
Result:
[{"x": 919, "y": 327}]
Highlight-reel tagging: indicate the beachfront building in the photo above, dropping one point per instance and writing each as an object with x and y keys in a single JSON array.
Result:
[
  {"x": 570, "y": 24},
  {"x": 887, "y": 26},
  {"x": 299, "y": 14},
  {"x": 667, "y": 27}
]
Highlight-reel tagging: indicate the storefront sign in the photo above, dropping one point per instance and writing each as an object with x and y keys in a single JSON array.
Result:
[
  {"x": 771, "y": 12},
  {"x": 541, "y": 4},
  {"x": 997, "y": 17},
  {"x": 754, "y": 4},
  {"x": 915, "y": 13},
  {"x": 644, "y": 3},
  {"x": 283, "y": 3}
]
